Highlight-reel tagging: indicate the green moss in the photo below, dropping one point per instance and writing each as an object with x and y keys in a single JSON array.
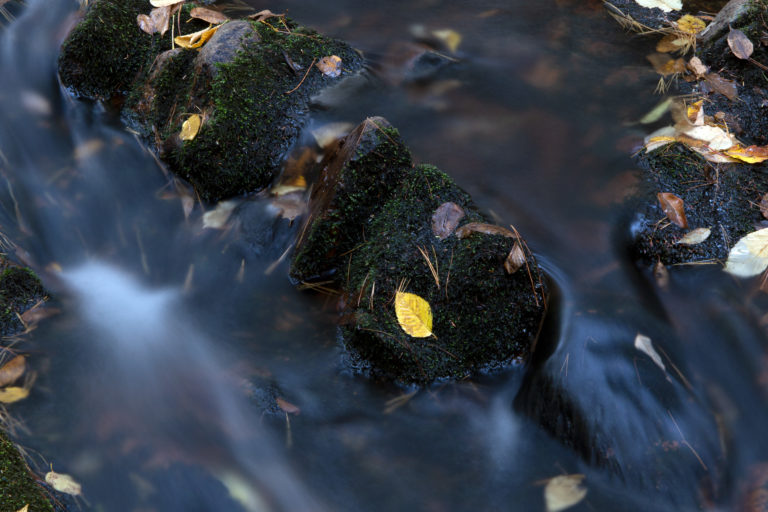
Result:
[
  {"x": 18, "y": 486},
  {"x": 19, "y": 289}
]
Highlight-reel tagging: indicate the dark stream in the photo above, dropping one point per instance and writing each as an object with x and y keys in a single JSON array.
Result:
[{"x": 156, "y": 382}]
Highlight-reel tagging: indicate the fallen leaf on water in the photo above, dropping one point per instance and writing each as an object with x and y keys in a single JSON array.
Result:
[
  {"x": 764, "y": 205},
  {"x": 327, "y": 134},
  {"x": 290, "y": 206},
  {"x": 63, "y": 483},
  {"x": 12, "y": 370},
  {"x": 263, "y": 15},
  {"x": 563, "y": 492},
  {"x": 665, "y": 65},
  {"x": 287, "y": 407},
  {"x": 219, "y": 216},
  {"x": 690, "y": 24},
  {"x": 749, "y": 154},
  {"x": 657, "y": 112},
  {"x": 163, "y": 3},
  {"x": 645, "y": 345},
  {"x": 298, "y": 184},
  {"x": 515, "y": 259},
  {"x": 749, "y": 257},
  {"x": 671, "y": 43},
  {"x": 209, "y": 15},
  {"x": 445, "y": 219},
  {"x": 413, "y": 314},
  {"x": 740, "y": 44},
  {"x": 450, "y": 38},
  {"x": 330, "y": 66},
  {"x": 695, "y": 236},
  {"x": 146, "y": 24},
  {"x": 674, "y": 208},
  {"x": 486, "y": 229},
  {"x": 196, "y": 39},
  {"x": 160, "y": 17},
  {"x": 190, "y": 127},
  {"x": 13, "y": 394}
]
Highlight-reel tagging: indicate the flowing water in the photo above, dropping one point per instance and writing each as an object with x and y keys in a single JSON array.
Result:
[{"x": 157, "y": 381}]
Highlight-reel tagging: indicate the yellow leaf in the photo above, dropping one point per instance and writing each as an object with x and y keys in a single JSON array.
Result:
[
  {"x": 190, "y": 127},
  {"x": 691, "y": 24},
  {"x": 413, "y": 314},
  {"x": 450, "y": 38},
  {"x": 330, "y": 66},
  {"x": 63, "y": 483},
  {"x": 13, "y": 394},
  {"x": 563, "y": 492},
  {"x": 25, "y": 508},
  {"x": 749, "y": 257},
  {"x": 196, "y": 39},
  {"x": 749, "y": 154}
]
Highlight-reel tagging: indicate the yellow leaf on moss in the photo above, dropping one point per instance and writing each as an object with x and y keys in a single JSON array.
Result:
[
  {"x": 13, "y": 394},
  {"x": 25, "y": 508},
  {"x": 190, "y": 127},
  {"x": 413, "y": 314},
  {"x": 691, "y": 24},
  {"x": 196, "y": 39}
]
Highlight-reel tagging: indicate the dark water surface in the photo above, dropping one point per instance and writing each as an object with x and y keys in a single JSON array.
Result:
[{"x": 157, "y": 381}]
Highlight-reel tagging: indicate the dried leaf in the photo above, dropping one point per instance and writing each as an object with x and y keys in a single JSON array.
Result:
[
  {"x": 146, "y": 24},
  {"x": 163, "y": 3},
  {"x": 330, "y": 66},
  {"x": 660, "y": 138},
  {"x": 160, "y": 18},
  {"x": 450, "y": 38},
  {"x": 749, "y": 257},
  {"x": 445, "y": 219},
  {"x": 563, "y": 492},
  {"x": 661, "y": 274},
  {"x": 25, "y": 508},
  {"x": 287, "y": 407},
  {"x": 645, "y": 345},
  {"x": 413, "y": 314},
  {"x": 671, "y": 43},
  {"x": 63, "y": 483},
  {"x": 674, "y": 208},
  {"x": 515, "y": 259},
  {"x": 486, "y": 229},
  {"x": 695, "y": 236},
  {"x": 209, "y": 15},
  {"x": 196, "y": 39},
  {"x": 190, "y": 127},
  {"x": 695, "y": 113},
  {"x": 690, "y": 24},
  {"x": 749, "y": 154},
  {"x": 12, "y": 370},
  {"x": 764, "y": 205},
  {"x": 13, "y": 394},
  {"x": 723, "y": 86},
  {"x": 698, "y": 67},
  {"x": 264, "y": 15},
  {"x": 715, "y": 137},
  {"x": 218, "y": 217},
  {"x": 289, "y": 206},
  {"x": 740, "y": 44}
]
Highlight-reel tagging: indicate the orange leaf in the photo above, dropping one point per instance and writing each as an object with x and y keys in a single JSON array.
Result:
[
  {"x": 674, "y": 208},
  {"x": 330, "y": 66}
]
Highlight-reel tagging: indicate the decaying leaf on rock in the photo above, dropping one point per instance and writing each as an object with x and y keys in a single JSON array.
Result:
[
  {"x": 740, "y": 44},
  {"x": 146, "y": 24},
  {"x": 196, "y": 39},
  {"x": 515, "y": 259},
  {"x": 330, "y": 66},
  {"x": 413, "y": 314},
  {"x": 445, "y": 219},
  {"x": 674, "y": 208},
  {"x": 695, "y": 236},
  {"x": 486, "y": 229},
  {"x": 749, "y": 257},
  {"x": 264, "y": 15},
  {"x": 63, "y": 483},
  {"x": 208, "y": 15},
  {"x": 563, "y": 492},
  {"x": 749, "y": 154},
  {"x": 161, "y": 17},
  {"x": 190, "y": 127}
]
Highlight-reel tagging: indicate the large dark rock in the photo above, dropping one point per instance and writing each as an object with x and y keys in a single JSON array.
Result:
[
  {"x": 370, "y": 233},
  {"x": 243, "y": 82}
]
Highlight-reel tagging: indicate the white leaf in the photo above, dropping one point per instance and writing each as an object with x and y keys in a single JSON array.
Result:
[
  {"x": 563, "y": 492},
  {"x": 716, "y": 138},
  {"x": 664, "y": 5},
  {"x": 749, "y": 257},
  {"x": 645, "y": 345},
  {"x": 695, "y": 236},
  {"x": 63, "y": 483},
  {"x": 218, "y": 217}
]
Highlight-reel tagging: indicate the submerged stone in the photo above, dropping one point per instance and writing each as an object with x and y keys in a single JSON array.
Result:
[
  {"x": 252, "y": 83},
  {"x": 370, "y": 233}
]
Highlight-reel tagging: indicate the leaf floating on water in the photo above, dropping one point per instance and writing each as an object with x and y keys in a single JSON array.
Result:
[
  {"x": 740, "y": 44},
  {"x": 218, "y": 217},
  {"x": 563, "y": 492},
  {"x": 657, "y": 112},
  {"x": 146, "y": 24},
  {"x": 695, "y": 236},
  {"x": 13, "y": 394},
  {"x": 196, "y": 39},
  {"x": 486, "y": 229},
  {"x": 690, "y": 24},
  {"x": 330, "y": 66},
  {"x": 190, "y": 127},
  {"x": 12, "y": 370},
  {"x": 209, "y": 15},
  {"x": 327, "y": 134},
  {"x": 749, "y": 257},
  {"x": 63, "y": 483},
  {"x": 664, "y": 5},
  {"x": 445, "y": 219},
  {"x": 645, "y": 345},
  {"x": 749, "y": 154},
  {"x": 413, "y": 314},
  {"x": 287, "y": 407},
  {"x": 674, "y": 208},
  {"x": 515, "y": 259},
  {"x": 449, "y": 37}
]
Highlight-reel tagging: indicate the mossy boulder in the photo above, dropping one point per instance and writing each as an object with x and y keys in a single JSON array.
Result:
[
  {"x": 370, "y": 233},
  {"x": 244, "y": 83},
  {"x": 20, "y": 289},
  {"x": 18, "y": 485}
]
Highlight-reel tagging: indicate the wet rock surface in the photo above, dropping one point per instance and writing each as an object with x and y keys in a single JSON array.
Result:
[{"x": 370, "y": 234}]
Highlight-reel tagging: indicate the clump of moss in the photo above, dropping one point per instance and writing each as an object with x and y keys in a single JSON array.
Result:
[
  {"x": 18, "y": 486},
  {"x": 20, "y": 289}
]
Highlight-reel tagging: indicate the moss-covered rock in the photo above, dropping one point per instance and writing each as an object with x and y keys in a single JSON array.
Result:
[
  {"x": 19, "y": 290},
  {"x": 252, "y": 83},
  {"x": 370, "y": 233},
  {"x": 18, "y": 485}
]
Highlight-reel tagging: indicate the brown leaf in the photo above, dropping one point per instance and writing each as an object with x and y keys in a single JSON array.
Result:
[
  {"x": 486, "y": 229},
  {"x": 695, "y": 236},
  {"x": 515, "y": 259},
  {"x": 12, "y": 370},
  {"x": 287, "y": 407},
  {"x": 160, "y": 17},
  {"x": 146, "y": 24},
  {"x": 209, "y": 15},
  {"x": 445, "y": 219},
  {"x": 661, "y": 274},
  {"x": 674, "y": 208},
  {"x": 698, "y": 67},
  {"x": 749, "y": 154},
  {"x": 330, "y": 66},
  {"x": 740, "y": 44},
  {"x": 264, "y": 15},
  {"x": 764, "y": 205},
  {"x": 719, "y": 84}
]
